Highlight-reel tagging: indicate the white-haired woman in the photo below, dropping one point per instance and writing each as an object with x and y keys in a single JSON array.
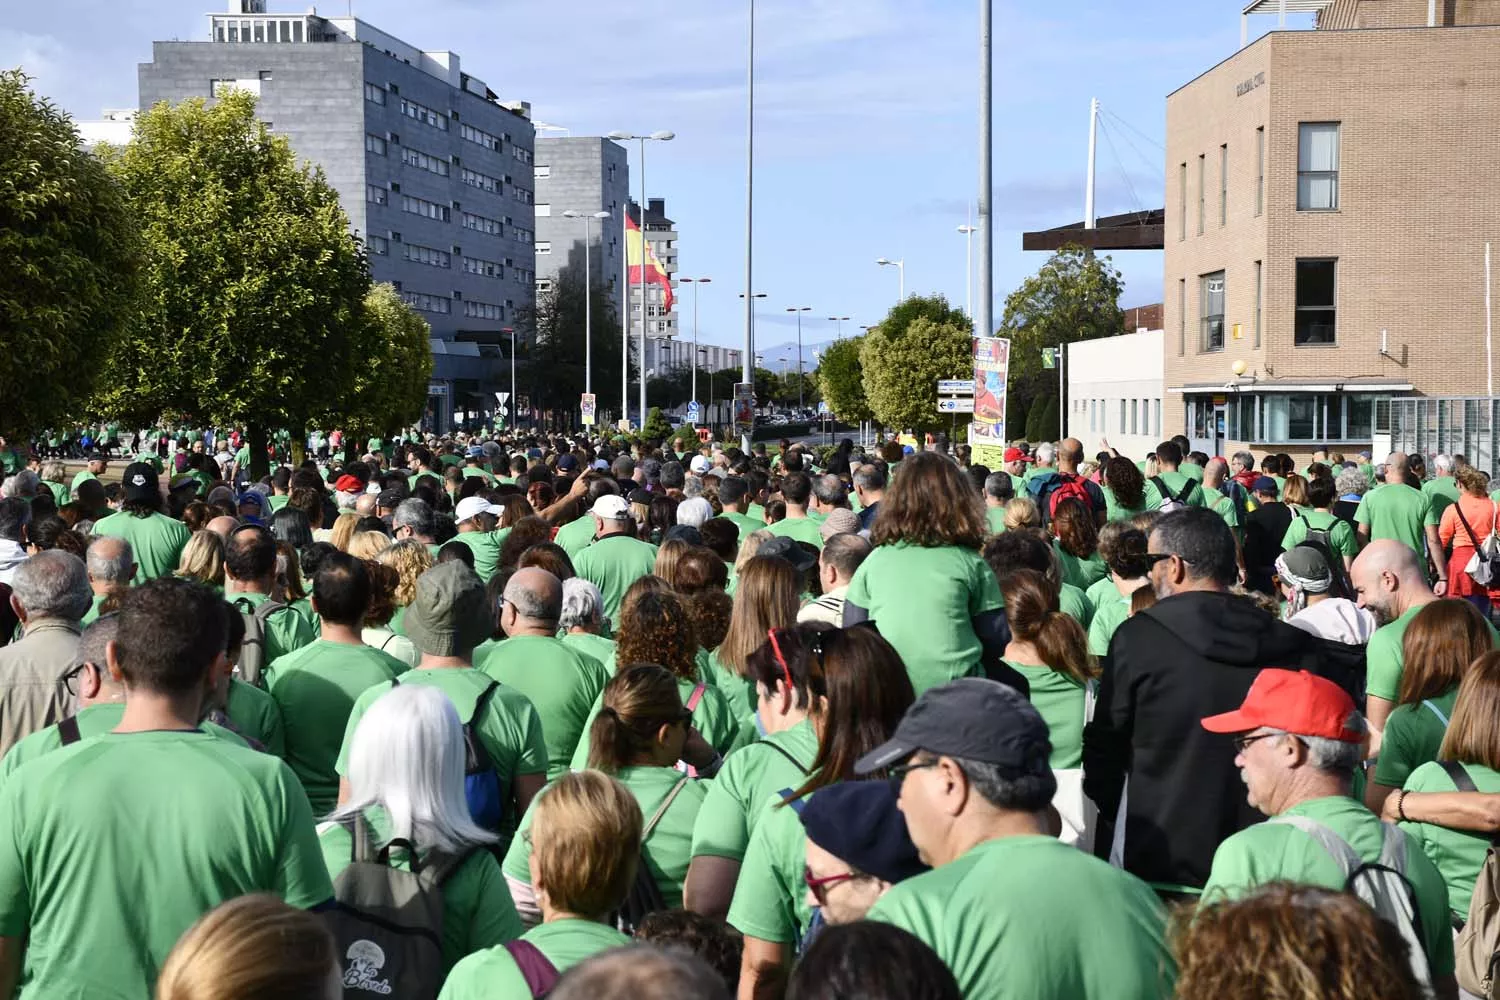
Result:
[
  {"x": 55, "y": 478},
  {"x": 583, "y": 623},
  {"x": 406, "y": 778}
]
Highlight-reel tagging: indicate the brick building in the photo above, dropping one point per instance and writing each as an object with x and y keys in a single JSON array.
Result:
[{"x": 1329, "y": 197}]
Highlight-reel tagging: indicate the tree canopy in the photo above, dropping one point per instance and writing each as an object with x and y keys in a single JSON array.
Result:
[
  {"x": 71, "y": 255},
  {"x": 555, "y": 358},
  {"x": 841, "y": 380},
  {"x": 922, "y": 341},
  {"x": 388, "y": 389}
]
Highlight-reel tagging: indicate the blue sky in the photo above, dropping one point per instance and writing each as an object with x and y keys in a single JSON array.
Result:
[{"x": 866, "y": 131}]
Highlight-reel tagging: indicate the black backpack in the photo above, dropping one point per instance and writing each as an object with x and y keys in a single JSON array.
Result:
[
  {"x": 1320, "y": 540},
  {"x": 645, "y": 895}
]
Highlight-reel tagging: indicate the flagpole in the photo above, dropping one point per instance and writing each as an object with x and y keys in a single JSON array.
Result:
[
  {"x": 625, "y": 312},
  {"x": 642, "y": 227}
]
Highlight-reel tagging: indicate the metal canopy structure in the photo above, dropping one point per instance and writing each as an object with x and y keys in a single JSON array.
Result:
[
  {"x": 1131, "y": 231},
  {"x": 1281, "y": 8}
]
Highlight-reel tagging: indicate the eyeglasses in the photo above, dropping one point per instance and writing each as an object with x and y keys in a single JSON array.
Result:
[
  {"x": 1152, "y": 558},
  {"x": 70, "y": 679},
  {"x": 1243, "y": 742},
  {"x": 819, "y": 886},
  {"x": 897, "y": 775}
]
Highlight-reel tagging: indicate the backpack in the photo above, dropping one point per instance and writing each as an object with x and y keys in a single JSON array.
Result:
[
  {"x": 645, "y": 895},
  {"x": 537, "y": 969},
  {"x": 387, "y": 921},
  {"x": 251, "y": 665},
  {"x": 1320, "y": 540},
  {"x": 1381, "y": 885},
  {"x": 1476, "y": 949},
  {"x": 482, "y": 785},
  {"x": 1069, "y": 487},
  {"x": 1173, "y": 501}
]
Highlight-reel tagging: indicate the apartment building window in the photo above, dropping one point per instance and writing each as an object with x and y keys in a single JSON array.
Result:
[
  {"x": 1211, "y": 300},
  {"x": 544, "y": 211},
  {"x": 1259, "y": 297},
  {"x": 1202, "y": 181},
  {"x": 521, "y": 153},
  {"x": 374, "y": 144},
  {"x": 377, "y": 195},
  {"x": 483, "y": 182},
  {"x": 428, "y": 303},
  {"x": 1122, "y": 416},
  {"x": 1317, "y": 166},
  {"x": 483, "y": 310},
  {"x": 426, "y": 209},
  {"x": 1317, "y": 286},
  {"x": 427, "y": 255},
  {"x": 379, "y": 245},
  {"x": 524, "y": 196},
  {"x": 424, "y": 114},
  {"x": 483, "y": 268},
  {"x": 480, "y": 136},
  {"x": 1223, "y": 184},
  {"x": 543, "y": 286},
  {"x": 424, "y": 161},
  {"x": 1156, "y": 417},
  {"x": 542, "y": 170},
  {"x": 1182, "y": 202},
  {"x": 1135, "y": 405},
  {"x": 524, "y": 235},
  {"x": 374, "y": 93},
  {"x": 543, "y": 247},
  {"x": 1260, "y": 170},
  {"x": 1181, "y": 316},
  {"x": 483, "y": 224}
]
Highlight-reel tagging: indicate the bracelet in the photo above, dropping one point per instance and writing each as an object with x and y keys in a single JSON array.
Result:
[{"x": 1401, "y": 806}]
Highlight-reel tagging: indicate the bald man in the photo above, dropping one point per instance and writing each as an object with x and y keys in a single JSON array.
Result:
[
  {"x": 1043, "y": 483},
  {"x": 1389, "y": 582},
  {"x": 1400, "y": 511},
  {"x": 560, "y": 681},
  {"x": 222, "y": 526},
  {"x": 111, "y": 566}
]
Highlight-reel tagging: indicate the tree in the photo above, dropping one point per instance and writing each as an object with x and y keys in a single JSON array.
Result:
[
  {"x": 253, "y": 299},
  {"x": 71, "y": 256},
  {"x": 656, "y": 427},
  {"x": 903, "y": 366},
  {"x": 555, "y": 362},
  {"x": 388, "y": 389},
  {"x": 1048, "y": 429},
  {"x": 841, "y": 380}
]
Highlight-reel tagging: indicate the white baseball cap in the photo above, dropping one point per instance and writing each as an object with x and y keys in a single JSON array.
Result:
[
  {"x": 471, "y": 507},
  {"x": 611, "y": 508},
  {"x": 700, "y": 464}
]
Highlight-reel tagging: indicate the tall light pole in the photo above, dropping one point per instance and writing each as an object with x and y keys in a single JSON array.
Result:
[
  {"x": 704, "y": 351},
  {"x": 696, "y": 283},
  {"x": 662, "y": 136},
  {"x": 900, "y": 266},
  {"x": 799, "y": 310},
  {"x": 513, "y": 399},
  {"x": 968, "y": 232},
  {"x": 840, "y": 320},
  {"x": 749, "y": 373},
  {"x": 985, "y": 321},
  {"x": 588, "y": 293}
]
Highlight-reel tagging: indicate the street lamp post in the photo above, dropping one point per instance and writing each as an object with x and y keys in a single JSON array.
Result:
[
  {"x": 704, "y": 351},
  {"x": 662, "y": 136},
  {"x": 840, "y": 320},
  {"x": 513, "y": 408},
  {"x": 968, "y": 232},
  {"x": 749, "y": 374},
  {"x": 799, "y": 310},
  {"x": 588, "y": 293},
  {"x": 696, "y": 283},
  {"x": 900, "y": 266}
]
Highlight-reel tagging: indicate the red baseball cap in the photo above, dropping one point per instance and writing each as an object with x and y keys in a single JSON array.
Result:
[
  {"x": 348, "y": 484},
  {"x": 1016, "y": 455},
  {"x": 1294, "y": 701}
]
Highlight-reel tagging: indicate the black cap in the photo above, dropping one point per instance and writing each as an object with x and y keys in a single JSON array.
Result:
[
  {"x": 858, "y": 823},
  {"x": 683, "y": 532},
  {"x": 639, "y": 496},
  {"x": 786, "y": 548},
  {"x": 972, "y": 718},
  {"x": 390, "y": 499},
  {"x": 139, "y": 481}
]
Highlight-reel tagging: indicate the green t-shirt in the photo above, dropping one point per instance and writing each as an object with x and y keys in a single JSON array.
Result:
[
  {"x": 92, "y": 614},
  {"x": 1109, "y": 615},
  {"x": 156, "y": 540},
  {"x": 1224, "y": 507},
  {"x": 559, "y": 681},
  {"x": 1176, "y": 482},
  {"x": 576, "y": 535},
  {"x": 1059, "y": 699},
  {"x": 980, "y": 914},
  {"x": 493, "y": 975},
  {"x": 477, "y": 908},
  {"x": 667, "y": 850},
  {"x": 60, "y": 495},
  {"x": 995, "y": 518},
  {"x": 1440, "y": 494},
  {"x": 1073, "y": 602},
  {"x": 1192, "y": 470},
  {"x": 1384, "y": 657},
  {"x": 1412, "y": 737},
  {"x": 316, "y": 687},
  {"x": 924, "y": 601},
  {"x": 801, "y": 529},
  {"x": 509, "y": 729},
  {"x": 739, "y": 691},
  {"x": 1268, "y": 852},
  {"x": 1395, "y": 510},
  {"x": 276, "y": 501},
  {"x": 744, "y": 522},
  {"x": 79, "y": 480},
  {"x": 1116, "y": 511},
  {"x": 1458, "y": 854},
  {"x": 770, "y": 898},
  {"x": 612, "y": 564},
  {"x": 595, "y": 646},
  {"x": 254, "y": 713},
  {"x": 287, "y": 630},
  {"x": 750, "y": 776},
  {"x": 1341, "y": 536},
  {"x": 93, "y": 720},
  {"x": 1081, "y": 573},
  {"x": 712, "y": 717},
  {"x": 486, "y": 548},
  {"x": 111, "y": 848},
  {"x": 1018, "y": 484}
]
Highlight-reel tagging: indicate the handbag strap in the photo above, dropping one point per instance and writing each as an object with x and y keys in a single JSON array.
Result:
[
  {"x": 1473, "y": 538},
  {"x": 661, "y": 810},
  {"x": 1459, "y": 775}
]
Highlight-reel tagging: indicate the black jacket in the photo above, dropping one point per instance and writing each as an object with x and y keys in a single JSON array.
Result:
[
  {"x": 1190, "y": 656},
  {"x": 1265, "y": 527}
]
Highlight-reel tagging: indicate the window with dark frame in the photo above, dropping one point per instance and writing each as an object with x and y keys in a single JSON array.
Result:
[
  {"x": 1260, "y": 170},
  {"x": 1211, "y": 299},
  {"x": 1316, "y": 298}
]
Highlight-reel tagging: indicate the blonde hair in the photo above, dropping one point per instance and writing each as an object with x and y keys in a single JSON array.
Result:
[
  {"x": 203, "y": 559},
  {"x": 750, "y": 547},
  {"x": 54, "y": 471},
  {"x": 767, "y": 595},
  {"x": 369, "y": 544},
  {"x": 343, "y": 530},
  {"x": 253, "y": 947},
  {"x": 1022, "y": 512},
  {"x": 410, "y": 559},
  {"x": 586, "y": 837}
]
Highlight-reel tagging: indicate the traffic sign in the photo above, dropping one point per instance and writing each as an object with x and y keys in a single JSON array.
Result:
[
  {"x": 956, "y": 405},
  {"x": 501, "y": 397},
  {"x": 694, "y": 412},
  {"x": 955, "y": 387},
  {"x": 587, "y": 404},
  {"x": 823, "y": 407},
  {"x": 1049, "y": 357}
]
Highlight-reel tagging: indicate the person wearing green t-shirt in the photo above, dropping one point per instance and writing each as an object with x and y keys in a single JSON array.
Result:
[
  {"x": 734, "y": 496},
  {"x": 317, "y": 685},
  {"x": 1441, "y": 491},
  {"x": 96, "y": 467},
  {"x": 615, "y": 559},
  {"x": 471, "y": 532},
  {"x": 591, "y": 827},
  {"x": 798, "y": 525},
  {"x": 224, "y": 820},
  {"x": 1178, "y": 485},
  {"x": 1399, "y": 510},
  {"x": 999, "y": 490},
  {"x": 1040, "y": 630},
  {"x": 1341, "y": 537},
  {"x": 576, "y": 535},
  {"x": 561, "y": 682},
  {"x": 1003, "y": 890},
  {"x": 156, "y": 539},
  {"x": 249, "y": 577},
  {"x": 1126, "y": 492}
]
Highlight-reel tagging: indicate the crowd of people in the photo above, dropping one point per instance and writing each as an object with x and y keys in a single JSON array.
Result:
[{"x": 504, "y": 716}]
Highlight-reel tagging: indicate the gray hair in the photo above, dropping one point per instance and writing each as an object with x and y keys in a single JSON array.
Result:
[
  {"x": 1045, "y": 454},
  {"x": 1244, "y": 459},
  {"x": 1442, "y": 463},
  {"x": 1351, "y": 481},
  {"x": 869, "y": 477},
  {"x": 829, "y": 488},
  {"x": 23, "y": 484},
  {"x": 582, "y": 604},
  {"x": 531, "y": 603},
  {"x": 110, "y": 559},
  {"x": 1335, "y": 756},
  {"x": 54, "y": 471},
  {"x": 416, "y": 515},
  {"x": 1027, "y": 791},
  {"x": 999, "y": 486},
  {"x": 53, "y": 584},
  {"x": 644, "y": 971},
  {"x": 692, "y": 487},
  {"x": 694, "y": 512}
]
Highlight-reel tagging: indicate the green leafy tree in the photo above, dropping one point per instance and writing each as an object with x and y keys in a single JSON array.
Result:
[
  {"x": 1048, "y": 428},
  {"x": 904, "y": 364},
  {"x": 1034, "y": 420},
  {"x": 71, "y": 256},
  {"x": 555, "y": 362},
  {"x": 388, "y": 389},
  {"x": 656, "y": 427},
  {"x": 253, "y": 302},
  {"x": 841, "y": 381}
]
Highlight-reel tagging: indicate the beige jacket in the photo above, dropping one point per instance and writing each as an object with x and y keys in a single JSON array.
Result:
[{"x": 33, "y": 695}]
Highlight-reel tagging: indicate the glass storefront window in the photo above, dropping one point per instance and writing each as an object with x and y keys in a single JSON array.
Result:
[{"x": 1302, "y": 415}]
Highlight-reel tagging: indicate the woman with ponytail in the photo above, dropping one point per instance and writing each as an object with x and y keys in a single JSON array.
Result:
[
  {"x": 636, "y": 738},
  {"x": 1051, "y": 650}
]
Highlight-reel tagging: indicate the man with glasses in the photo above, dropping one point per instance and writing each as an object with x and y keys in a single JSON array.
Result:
[
  {"x": 1195, "y": 653},
  {"x": 1012, "y": 910},
  {"x": 857, "y": 849},
  {"x": 1297, "y": 741}
]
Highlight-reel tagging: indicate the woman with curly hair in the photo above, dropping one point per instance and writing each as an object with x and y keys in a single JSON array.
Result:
[
  {"x": 376, "y": 631},
  {"x": 1127, "y": 492},
  {"x": 410, "y": 559},
  {"x": 925, "y": 571}
]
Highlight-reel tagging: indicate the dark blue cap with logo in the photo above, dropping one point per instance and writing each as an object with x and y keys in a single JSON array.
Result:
[{"x": 971, "y": 718}]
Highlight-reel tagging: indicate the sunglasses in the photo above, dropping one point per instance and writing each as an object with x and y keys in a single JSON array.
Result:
[
  {"x": 819, "y": 886},
  {"x": 1152, "y": 558},
  {"x": 1241, "y": 743}
]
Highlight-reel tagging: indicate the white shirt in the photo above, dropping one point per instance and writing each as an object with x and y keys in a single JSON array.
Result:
[{"x": 1337, "y": 619}]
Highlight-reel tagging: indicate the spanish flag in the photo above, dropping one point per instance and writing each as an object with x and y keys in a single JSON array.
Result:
[{"x": 655, "y": 274}]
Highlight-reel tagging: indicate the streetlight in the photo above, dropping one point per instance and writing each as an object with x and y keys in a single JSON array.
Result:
[
  {"x": 750, "y": 308},
  {"x": 704, "y": 351},
  {"x": 799, "y": 310},
  {"x": 588, "y": 293},
  {"x": 968, "y": 232},
  {"x": 840, "y": 320},
  {"x": 662, "y": 136},
  {"x": 900, "y": 266},
  {"x": 696, "y": 283},
  {"x": 749, "y": 374},
  {"x": 513, "y": 408}
]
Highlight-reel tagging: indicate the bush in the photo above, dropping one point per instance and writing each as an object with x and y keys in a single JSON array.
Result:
[{"x": 657, "y": 427}]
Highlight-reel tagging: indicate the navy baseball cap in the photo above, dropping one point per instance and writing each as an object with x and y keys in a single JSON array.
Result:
[
  {"x": 567, "y": 463},
  {"x": 971, "y": 718},
  {"x": 1265, "y": 484},
  {"x": 858, "y": 823}
]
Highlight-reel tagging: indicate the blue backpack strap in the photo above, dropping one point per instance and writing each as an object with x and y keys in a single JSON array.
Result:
[{"x": 796, "y": 805}]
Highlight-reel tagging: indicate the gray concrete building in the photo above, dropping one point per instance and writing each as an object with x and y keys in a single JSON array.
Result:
[
  {"x": 434, "y": 171},
  {"x": 584, "y": 174}
]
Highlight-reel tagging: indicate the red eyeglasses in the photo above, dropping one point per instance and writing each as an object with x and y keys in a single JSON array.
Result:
[{"x": 819, "y": 886}]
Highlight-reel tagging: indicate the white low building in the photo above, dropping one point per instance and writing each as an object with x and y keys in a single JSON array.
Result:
[{"x": 1115, "y": 393}]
